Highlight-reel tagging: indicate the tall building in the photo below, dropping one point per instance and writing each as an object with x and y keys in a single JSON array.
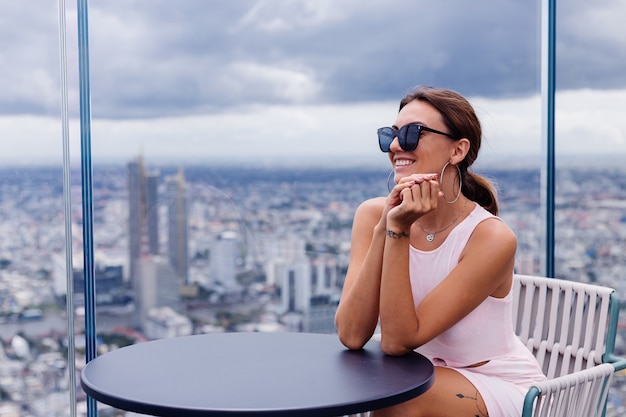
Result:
[
  {"x": 143, "y": 214},
  {"x": 224, "y": 254},
  {"x": 324, "y": 275},
  {"x": 295, "y": 279},
  {"x": 278, "y": 250},
  {"x": 308, "y": 287},
  {"x": 156, "y": 287},
  {"x": 177, "y": 226},
  {"x": 152, "y": 210}
]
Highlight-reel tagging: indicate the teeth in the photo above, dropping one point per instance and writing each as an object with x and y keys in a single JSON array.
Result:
[{"x": 403, "y": 162}]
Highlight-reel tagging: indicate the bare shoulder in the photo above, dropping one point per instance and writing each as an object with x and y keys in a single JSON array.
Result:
[
  {"x": 371, "y": 209},
  {"x": 495, "y": 227},
  {"x": 367, "y": 215},
  {"x": 495, "y": 234},
  {"x": 492, "y": 240},
  {"x": 374, "y": 203}
]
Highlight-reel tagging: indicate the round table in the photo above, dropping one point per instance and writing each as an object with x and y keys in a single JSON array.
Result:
[{"x": 254, "y": 374}]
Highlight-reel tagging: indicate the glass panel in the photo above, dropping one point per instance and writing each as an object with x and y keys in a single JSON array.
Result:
[
  {"x": 590, "y": 148},
  {"x": 239, "y": 140},
  {"x": 232, "y": 145},
  {"x": 34, "y": 372}
]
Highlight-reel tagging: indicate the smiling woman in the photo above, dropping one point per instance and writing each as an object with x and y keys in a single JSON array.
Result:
[{"x": 417, "y": 268}]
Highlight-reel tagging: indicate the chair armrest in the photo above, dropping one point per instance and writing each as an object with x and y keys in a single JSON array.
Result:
[
  {"x": 617, "y": 362},
  {"x": 579, "y": 394}
]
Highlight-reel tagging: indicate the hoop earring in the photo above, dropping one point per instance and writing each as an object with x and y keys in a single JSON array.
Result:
[
  {"x": 460, "y": 183},
  {"x": 389, "y": 187}
]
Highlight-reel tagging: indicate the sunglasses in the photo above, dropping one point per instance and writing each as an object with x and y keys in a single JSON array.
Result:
[{"x": 408, "y": 136}]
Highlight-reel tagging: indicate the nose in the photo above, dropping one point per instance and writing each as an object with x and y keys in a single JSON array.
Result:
[{"x": 395, "y": 145}]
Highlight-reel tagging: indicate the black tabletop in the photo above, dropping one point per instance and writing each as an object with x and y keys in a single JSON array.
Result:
[{"x": 260, "y": 374}]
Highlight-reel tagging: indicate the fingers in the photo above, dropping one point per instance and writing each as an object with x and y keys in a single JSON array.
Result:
[
  {"x": 410, "y": 200},
  {"x": 410, "y": 181},
  {"x": 414, "y": 196},
  {"x": 417, "y": 178},
  {"x": 423, "y": 196}
]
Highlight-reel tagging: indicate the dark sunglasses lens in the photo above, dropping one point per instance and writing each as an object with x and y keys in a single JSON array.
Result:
[
  {"x": 409, "y": 136},
  {"x": 385, "y": 137}
]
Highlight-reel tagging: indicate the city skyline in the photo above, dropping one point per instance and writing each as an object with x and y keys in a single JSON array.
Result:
[{"x": 301, "y": 213}]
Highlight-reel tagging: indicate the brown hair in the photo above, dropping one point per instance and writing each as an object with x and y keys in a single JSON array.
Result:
[{"x": 461, "y": 120}]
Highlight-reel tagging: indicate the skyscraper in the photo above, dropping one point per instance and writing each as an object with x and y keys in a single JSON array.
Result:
[
  {"x": 156, "y": 286},
  {"x": 224, "y": 254},
  {"x": 177, "y": 226},
  {"x": 152, "y": 210},
  {"x": 143, "y": 214},
  {"x": 296, "y": 286}
]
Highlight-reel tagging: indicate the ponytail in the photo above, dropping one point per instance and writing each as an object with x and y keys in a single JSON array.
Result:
[{"x": 480, "y": 190}]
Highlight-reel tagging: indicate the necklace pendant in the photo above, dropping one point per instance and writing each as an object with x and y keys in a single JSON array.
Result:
[{"x": 430, "y": 237}]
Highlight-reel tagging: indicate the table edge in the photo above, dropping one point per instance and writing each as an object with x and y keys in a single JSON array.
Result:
[{"x": 317, "y": 411}]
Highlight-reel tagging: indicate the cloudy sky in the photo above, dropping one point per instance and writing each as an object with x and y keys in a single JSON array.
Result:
[{"x": 303, "y": 80}]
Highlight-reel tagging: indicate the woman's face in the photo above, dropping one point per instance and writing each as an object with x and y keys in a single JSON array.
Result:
[{"x": 433, "y": 150}]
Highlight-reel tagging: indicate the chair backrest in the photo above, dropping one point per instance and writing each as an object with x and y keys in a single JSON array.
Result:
[{"x": 569, "y": 326}]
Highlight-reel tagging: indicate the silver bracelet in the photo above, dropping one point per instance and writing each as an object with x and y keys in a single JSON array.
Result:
[{"x": 395, "y": 235}]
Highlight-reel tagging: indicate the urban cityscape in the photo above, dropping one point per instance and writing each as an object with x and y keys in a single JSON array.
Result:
[{"x": 183, "y": 250}]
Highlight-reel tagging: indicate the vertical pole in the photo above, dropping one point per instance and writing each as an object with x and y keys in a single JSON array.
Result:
[
  {"x": 69, "y": 270},
  {"x": 87, "y": 188},
  {"x": 548, "y": 78}
]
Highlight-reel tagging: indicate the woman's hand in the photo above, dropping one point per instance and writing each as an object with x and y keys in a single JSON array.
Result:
[{"x": 411, "y": 198}]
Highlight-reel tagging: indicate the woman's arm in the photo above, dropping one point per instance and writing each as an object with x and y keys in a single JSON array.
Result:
[
  {"x": 485, "y": 268},
  {"x": 357, "y": 313}
]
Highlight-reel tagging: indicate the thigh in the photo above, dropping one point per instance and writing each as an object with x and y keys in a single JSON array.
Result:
[{"x": 451, "y": 395}]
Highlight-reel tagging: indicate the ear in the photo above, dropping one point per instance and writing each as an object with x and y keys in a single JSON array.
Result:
[{"x": 460, "y": 148}]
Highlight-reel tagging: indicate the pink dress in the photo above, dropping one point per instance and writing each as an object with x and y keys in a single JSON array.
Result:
[{"x": 486, "y": 334}]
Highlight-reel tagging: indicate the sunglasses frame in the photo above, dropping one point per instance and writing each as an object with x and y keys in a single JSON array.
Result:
[{"x": 386, "y": 135}]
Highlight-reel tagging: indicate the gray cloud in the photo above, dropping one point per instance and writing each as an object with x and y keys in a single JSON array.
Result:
[
  {"x": 29, "y": 80},
  {"x": 591, "y": 45},
  {"x": 155, "y": 58}
]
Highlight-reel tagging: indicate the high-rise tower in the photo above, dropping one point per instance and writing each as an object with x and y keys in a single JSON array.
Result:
[
  {"x": 224, "y": 254},
  {"x": 177, "y": 226},
  {"x": 143, "y": 214},
  {"x": 156, "y": 286}
]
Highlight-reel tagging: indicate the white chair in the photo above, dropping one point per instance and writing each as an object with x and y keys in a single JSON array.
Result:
[{"x": 570, "y": 327}]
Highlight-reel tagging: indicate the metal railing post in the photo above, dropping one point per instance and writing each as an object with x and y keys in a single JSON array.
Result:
[
  {"x": 548, "y": 78},
  {"x": 87, "y": 190}
]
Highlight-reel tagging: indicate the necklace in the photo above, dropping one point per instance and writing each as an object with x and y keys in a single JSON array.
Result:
[{"x": 431, "y": 236}]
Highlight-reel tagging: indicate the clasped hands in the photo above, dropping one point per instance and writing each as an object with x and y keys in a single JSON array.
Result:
[{"x": 411, "y": 198}]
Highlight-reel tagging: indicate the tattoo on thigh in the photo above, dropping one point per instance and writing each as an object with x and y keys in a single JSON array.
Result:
[{"x": 481, "y": 413}]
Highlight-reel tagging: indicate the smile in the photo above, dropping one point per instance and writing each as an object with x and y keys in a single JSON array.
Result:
[{"x": 403, "y": 162}]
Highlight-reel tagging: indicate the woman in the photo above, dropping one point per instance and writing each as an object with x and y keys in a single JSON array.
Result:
[{"x": 433, "y": 265}]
